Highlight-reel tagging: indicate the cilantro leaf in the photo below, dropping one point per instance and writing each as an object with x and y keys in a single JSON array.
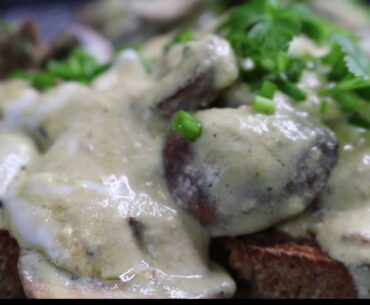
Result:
[
  {"x": 261, "y": 31},
  {"x": 313, "y": 26},
  {"x": 274, "y": 35},
  {"x": 355, "y": 58}
]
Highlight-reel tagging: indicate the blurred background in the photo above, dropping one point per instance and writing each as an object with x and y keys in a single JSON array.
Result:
[
  {"x": 34, "y": 31},
  {"x": 53, "y": 16}
]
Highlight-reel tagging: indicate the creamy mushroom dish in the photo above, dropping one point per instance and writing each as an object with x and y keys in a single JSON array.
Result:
[{"x": 117, "y": 173}]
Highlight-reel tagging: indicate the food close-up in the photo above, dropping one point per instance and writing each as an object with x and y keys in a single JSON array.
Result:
[{"x": 182, "y": 149}]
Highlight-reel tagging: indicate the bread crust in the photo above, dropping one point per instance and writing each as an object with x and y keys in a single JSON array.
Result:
[
  {"x": 273, "y": 265},
  {"x": 10, "y": 284}
]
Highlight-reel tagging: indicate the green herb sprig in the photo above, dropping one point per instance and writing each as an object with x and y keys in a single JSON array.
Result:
[{"x": 261, "y": 31}]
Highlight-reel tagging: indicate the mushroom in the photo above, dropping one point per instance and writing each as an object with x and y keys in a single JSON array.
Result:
[
  {"x": 248, "y": 171},
  {"x": 206, "y": 68}
]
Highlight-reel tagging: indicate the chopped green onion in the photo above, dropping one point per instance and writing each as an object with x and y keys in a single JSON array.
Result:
[
  {"x": 264, "y": 105},
  {"x": 43, "y": 81},
  {"x": 184, "y": 36},
  {"x": 20, "y": 74},
  {"x": 348, "y": 102},
  {"x": 282, "y": 61},
  {"x": 295, "y": 68},
  {"x": 298, "y": 94},
  {"x": 357, "y": 107},
  {"x": 359, "y": 121},
  {"x": 268, "y": 90},
  {"x": 79, "y": 66},
  {"x": 186, "y": 125},
  {"x": 60, "y": 70}
]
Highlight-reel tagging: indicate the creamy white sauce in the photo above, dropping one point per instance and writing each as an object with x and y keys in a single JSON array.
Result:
[
  {"x": 16, "y": 152},
  {"x": 96, "y": 203},
  {"x": 340, "y": 223},
  {"x": 340, "y": 220},
  {"x": 245, "y": 161}
]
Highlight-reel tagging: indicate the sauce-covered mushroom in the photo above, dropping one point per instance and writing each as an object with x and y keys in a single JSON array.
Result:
[
  {"x": 206, "y": 68},
  {"x": 248, "y": 171}
]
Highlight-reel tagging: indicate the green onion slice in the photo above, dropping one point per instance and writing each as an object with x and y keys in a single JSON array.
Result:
[
  {"x": 186, "y": 125},
  {"x": 264, "y": 105}
]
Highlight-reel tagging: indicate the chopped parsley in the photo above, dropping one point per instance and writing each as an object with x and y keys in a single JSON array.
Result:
[{"x": 261, "y": 31}]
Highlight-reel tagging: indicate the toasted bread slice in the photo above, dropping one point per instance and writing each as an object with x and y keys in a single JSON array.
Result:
[
  {"x": 10, "y": 284},
  {"x": 272, "y": 265}
]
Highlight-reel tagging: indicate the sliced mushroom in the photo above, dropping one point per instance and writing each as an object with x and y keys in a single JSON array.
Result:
[
  {"x": 206, "y": 68},
  {"x": 248, "y": 171}
]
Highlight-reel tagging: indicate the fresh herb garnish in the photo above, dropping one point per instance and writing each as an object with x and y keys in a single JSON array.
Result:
[
  {"x": 43, "y": 81},
  {"x": 268, "y": 90},
  {"x": 187, "y": 125},
  {"x": 356, "y": 60},
  {"x": 263, "y": 102},
  {"x": 350, "y": 74},
  {"x": 264, "y": 105},
  {"x": 79, "y": 66},
  {"x": 261, "y": 32}
]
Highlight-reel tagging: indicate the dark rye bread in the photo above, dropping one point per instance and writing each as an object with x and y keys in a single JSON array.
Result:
[
  {"x": 272, "y": 265},
  {"x": 10, "y": 284}
]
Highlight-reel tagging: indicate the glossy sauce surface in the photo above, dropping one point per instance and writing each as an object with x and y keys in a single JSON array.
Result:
[
  {"x": 94, "y": 215},
  {"x": 96, "y": 203}
]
